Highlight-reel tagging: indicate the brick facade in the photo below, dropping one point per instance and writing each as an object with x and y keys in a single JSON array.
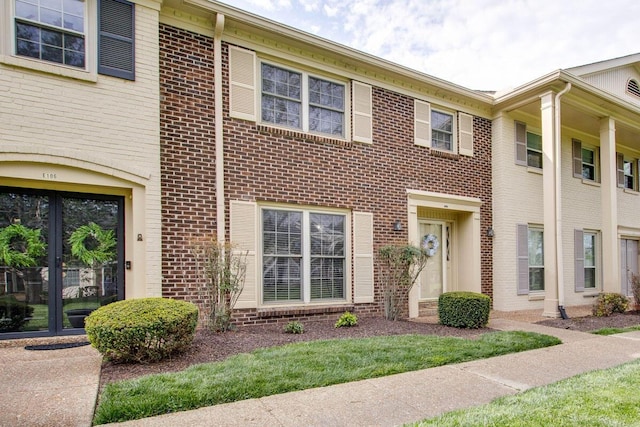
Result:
[{"x": 269, "y": 165}]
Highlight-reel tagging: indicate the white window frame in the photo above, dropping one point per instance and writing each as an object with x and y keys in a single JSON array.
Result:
[
  {"x": 633, "y": 164},
  {"x": 304, "y": 100},
  {"x": 596, "y": 259},
  {"x": 540, "y": 230},
  {"x": 529, "y": 132},
  {"x": 454, "y": 129},
  {"x": 306, "y": 256},
  {"x": 8, "y": 54},
  {"x": 593, "y": 165}
]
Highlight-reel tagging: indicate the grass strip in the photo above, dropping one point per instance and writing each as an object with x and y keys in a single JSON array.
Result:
[
  {"x": 609, "y": 397},
  {"x": 613, "y": 331},
  {"x": 299, "y": 366}
]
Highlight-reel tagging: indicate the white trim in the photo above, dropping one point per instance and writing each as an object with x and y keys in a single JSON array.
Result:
[
  {"x": 9, "y": 57},
  {"x": 304, "y": 99}
]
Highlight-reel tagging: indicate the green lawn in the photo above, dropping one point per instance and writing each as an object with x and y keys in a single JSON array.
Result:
[
  {"x": 609, "y": 397},
  {"x": 299, "y": 366},
  {"x": 613, "y": 331}
]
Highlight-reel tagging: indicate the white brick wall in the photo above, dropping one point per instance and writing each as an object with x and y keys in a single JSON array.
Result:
[{"x": 109, "y": 122}]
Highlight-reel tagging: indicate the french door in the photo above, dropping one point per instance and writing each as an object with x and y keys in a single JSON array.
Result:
[
  {"x": 61, "y": 257},
  {"x": 629, "y": 263}
]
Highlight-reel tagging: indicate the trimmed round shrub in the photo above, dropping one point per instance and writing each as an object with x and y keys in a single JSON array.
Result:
[
  {"x": 464, "y": 309},
  {"x": 142, "y": 330},
  {"x": 609, "y": 303}
]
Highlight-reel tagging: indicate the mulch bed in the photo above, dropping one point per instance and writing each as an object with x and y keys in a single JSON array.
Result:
[{"x": 210, "y": 346}]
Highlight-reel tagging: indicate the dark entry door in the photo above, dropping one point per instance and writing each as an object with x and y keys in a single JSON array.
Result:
[{"x": 61, "y": 256}]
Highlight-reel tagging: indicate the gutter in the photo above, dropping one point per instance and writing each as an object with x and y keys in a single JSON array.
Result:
[
  {"x": 218, "y": 121},
  {"x": 558, "y": 137}
]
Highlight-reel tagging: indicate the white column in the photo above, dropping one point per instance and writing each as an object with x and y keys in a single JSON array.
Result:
[
  {"x": 609, "y": 204},
  {"x": 550, "y": 180},
  {"x": 414, "y": 239}
]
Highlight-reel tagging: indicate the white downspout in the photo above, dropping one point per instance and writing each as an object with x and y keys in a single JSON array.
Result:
[
  {"x": 558, "y": 164},
  {"x": 217, "y": 85}
]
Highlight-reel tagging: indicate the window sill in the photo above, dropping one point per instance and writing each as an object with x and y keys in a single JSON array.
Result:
[
  {"x": 444, "y": 154},
  {"x": 266, "y": 312},
  {"x": 632, "y": 192},
  {"x": 289, "y": 133},
  {"x": 591, "y": 294},
  {"x": 590, "y": 182},
  {"x": 536, "y": 296},
  {"x": 58, "y": 70},
  {"x": 536, "y": 171}
]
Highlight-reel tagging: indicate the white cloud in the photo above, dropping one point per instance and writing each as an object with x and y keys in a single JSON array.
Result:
[{"x": 480, "y": 44}]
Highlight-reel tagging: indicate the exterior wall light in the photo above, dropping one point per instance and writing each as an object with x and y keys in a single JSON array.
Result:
[
  {"x": 490, "y": 232},
  {"x": 397, "y": 226}
]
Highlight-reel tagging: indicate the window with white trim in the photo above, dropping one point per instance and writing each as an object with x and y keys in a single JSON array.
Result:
[
  {"x": 528, "y": 146},
  {"x": 590, "y": 251},
  {"x": 588, "y": 164},
  {"x": 629, "y": 174},
  {"x": 536, "y": 259},
  {"x": 442, "y": 130},
  {"x": 73, "y": 38},
  {"x": 301, "y": 101},
  {"x": 303, "y": 255},
  {"x": 51, "y": 30}
]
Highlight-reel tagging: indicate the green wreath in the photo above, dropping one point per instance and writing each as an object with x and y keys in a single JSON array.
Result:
[
  {"x": 104, "y": 252},
  {"x": 34, "y": 247}
]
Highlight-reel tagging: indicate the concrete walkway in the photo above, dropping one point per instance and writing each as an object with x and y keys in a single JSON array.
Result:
[
  {"x": 59, "y": 387},
  {"x": 48, "y": 387}
]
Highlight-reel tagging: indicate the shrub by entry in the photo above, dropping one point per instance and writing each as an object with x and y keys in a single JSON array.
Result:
[
  {"x": 142, "y": 330},
  {"x": 464, "y": 309}
]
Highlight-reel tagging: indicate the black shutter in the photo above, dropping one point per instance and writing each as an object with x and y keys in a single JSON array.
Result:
[{"x": 116, "y": 37}]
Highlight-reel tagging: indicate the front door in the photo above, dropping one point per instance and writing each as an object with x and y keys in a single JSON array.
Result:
[
  {"x": 61, "y": 257},
  {"x": 434, "y": 239},
  {"x": 629, "y": 263}
]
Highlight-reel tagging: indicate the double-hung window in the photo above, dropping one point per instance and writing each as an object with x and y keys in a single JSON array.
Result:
[
  {"x": 300, "y": 101},
  {"x": 442, "y": 130},
  {"x": 536, "y": 259},
  {"x": 530, "y": 254},
  {"x": 303, "y": 255},
  {"x": 589, "y": 260},
  {"x": 73, "y": 38},
  {"x": 51, "y": 30},
  {"x": 588, "y": 164},
  {"x": 528, "y": 146},
  {"x": 629, "y": 174}
]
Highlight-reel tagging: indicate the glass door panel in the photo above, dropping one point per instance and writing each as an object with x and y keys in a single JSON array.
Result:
[
  {"x": 432, "y": 277},
  {"x": 24, "y": 267},
  {"x": 89, "y": 257}
]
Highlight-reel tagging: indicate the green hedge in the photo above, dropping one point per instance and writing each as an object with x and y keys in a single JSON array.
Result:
[
  {"x": 464, "y": 309},
  {"x": 608, "y": 303},
  {"x": 142, "y": 330}
]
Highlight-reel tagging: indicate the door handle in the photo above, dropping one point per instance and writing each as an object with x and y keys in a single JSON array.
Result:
[{"x": 58, "y": 262}]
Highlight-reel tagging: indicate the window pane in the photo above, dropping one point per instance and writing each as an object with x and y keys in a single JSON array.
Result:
[
  {"x": 441, "y": 140},
  {"x": 534, "y": 142},
  {"x": 588, "y": 172},
  {"x": 590, "y": 277},
  {"x": 327, "y": 94},
  {"x": 325, "y": 121},
  {"x": 441, "y": 121},
  {"x": 74, "y": 7},
  {"x": 75, "y": 23},
  {"x": 536, "y": 279},
  {"x": 26, "y": 10},
  {"x": 589, "y": 250},
  {"x": 587, "y": 156},
  {"x": 536, "y": 249},
  {"x": 53, "y": 54},
  {"x": 534, "y": 159},
  {"x": 51, "y": 17},
  {"x": 52, "y": 38}
]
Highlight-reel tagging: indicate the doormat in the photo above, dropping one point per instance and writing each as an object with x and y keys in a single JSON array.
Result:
[{"x": 58, "y": 346}]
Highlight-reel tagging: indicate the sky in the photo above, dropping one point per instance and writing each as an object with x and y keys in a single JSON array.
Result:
[{"x": 478, "y": 44}]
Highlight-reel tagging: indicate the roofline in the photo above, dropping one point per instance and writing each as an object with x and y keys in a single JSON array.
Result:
[
  {"x": 565, "y": 77},
  {"x": 272, "y": 26},
  {"x": 606, "y": 64}
]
